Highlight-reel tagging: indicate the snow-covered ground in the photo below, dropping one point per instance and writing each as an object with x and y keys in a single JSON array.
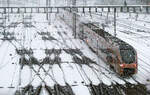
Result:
[
  {"x": 14, "y": 77},
  {"x": 58, "y": 36}
]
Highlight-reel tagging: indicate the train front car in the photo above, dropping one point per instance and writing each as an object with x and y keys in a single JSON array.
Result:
[{"x": 128, "y": 64}]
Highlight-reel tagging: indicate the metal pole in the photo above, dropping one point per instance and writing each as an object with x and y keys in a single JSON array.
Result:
[
  {"x": 50, "y": 13},
  {"x": 74, "y": 19},
  {"x": 46, "y": 10},
  {"x": 8, "y": 8},
  {"x": 115, "y": 34},
  {"x": 5, "y": 26}
]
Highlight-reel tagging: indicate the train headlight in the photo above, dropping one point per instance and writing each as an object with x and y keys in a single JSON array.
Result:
[
  {"x": 122, "y": 65},
  {"x": 87, "y": 41},
  {"x": 135, "y": 65}
]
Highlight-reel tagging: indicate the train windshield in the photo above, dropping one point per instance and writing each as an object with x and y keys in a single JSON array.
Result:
[{"x": 128, "y": 56}]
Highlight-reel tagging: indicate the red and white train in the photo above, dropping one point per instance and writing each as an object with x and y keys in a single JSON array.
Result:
[{"x": 121, "y": 56}]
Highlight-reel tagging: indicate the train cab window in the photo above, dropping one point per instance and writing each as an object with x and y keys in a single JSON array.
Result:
[{"x": 128, "y": 55}]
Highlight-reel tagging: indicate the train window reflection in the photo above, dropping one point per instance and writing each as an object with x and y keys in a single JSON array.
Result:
[{"x": 128, "y": 56}]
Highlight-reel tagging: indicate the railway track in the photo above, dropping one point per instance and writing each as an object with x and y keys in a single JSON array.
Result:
[
  {"x": 127, "y": 24},
  {"x": 75, "y": 52}
]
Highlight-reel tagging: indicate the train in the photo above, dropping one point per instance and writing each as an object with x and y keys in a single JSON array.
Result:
[{"x": 120, "y": 56}]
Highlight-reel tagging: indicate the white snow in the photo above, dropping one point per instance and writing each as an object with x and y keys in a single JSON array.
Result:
[{"x": 72, "y": 73}]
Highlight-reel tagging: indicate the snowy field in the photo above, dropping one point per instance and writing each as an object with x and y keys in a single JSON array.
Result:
[{"x": 54, "y": 57}]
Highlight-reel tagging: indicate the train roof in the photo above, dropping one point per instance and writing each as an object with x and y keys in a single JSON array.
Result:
[{"x": 108, "y": 37}]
